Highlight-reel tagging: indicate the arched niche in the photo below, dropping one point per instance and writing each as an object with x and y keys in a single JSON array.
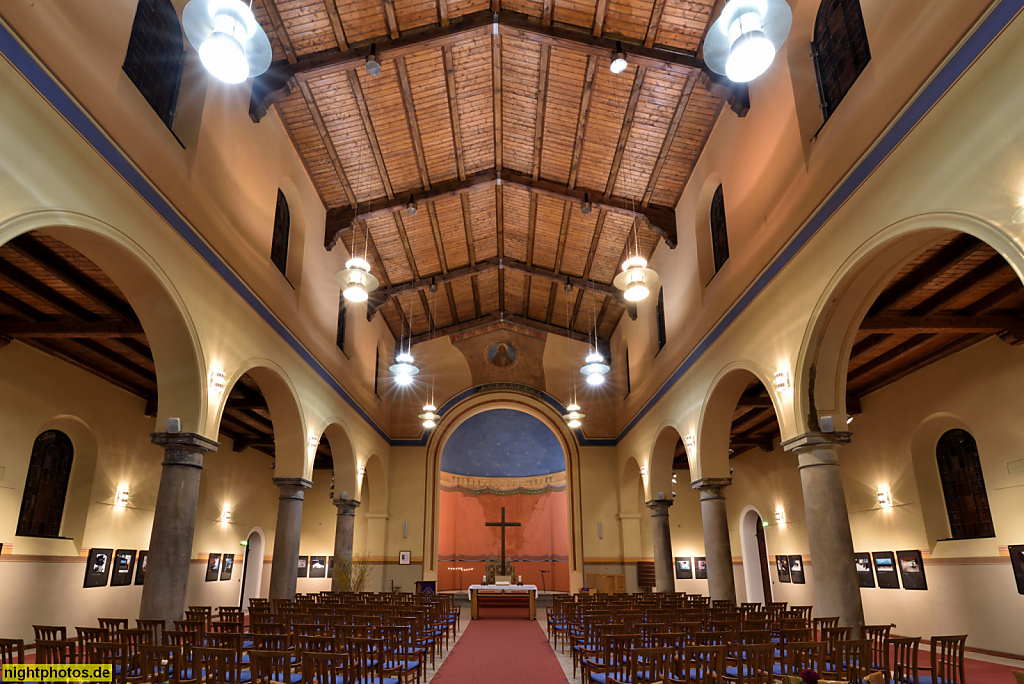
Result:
[{"x": 82, "y": 487}]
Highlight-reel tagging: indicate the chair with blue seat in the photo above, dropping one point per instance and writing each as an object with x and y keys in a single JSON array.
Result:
[
  {"x": 701, "y": 664},
  {"x": 90, "y": 635},
  {"x": 272, "y": 667},
  {"x": 904, "y": 659},
  {"x": 879, "y": 637},
  {"x": 947, "y": 661},
  {"x": 365, "y": 664},
  {"x": 800, "y": 656},
  {"x": 219, "y": 665},
  {"x": 831, "y": 636},
  {"x": 647, "y": 666},
  {"x": 753, "y": 636},
  {"x": 107, "y": 653},
  {"x": 398, "y": 653},
  {"x": 184, "y": 641},
  {"x": 851, "y": 659},
  {"x": 783, "y": 638},
  {"x": 159, "y": 664},
  {"x": 613, "y": 659},
  {"x": 750, "y": 663},
  {"x": 325, "y": 668},
  {"x": 820, "y": 623}
]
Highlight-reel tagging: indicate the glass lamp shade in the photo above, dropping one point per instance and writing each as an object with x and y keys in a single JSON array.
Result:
[
  {"x": 742, "y": 42},
  {"x": 635, "y": 279},
  {"x": 428, "y": 416},
  {"x": 231, "y": 43},
  {"x": 619, "y": 64},
  {"x": 356, "y": 281},
  {"x": 573, "y": 418},
  {"x": 595, "y": 369}
]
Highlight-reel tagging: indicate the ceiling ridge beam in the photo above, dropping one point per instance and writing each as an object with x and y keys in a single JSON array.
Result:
[
  {"x": 453, "y": 108},
  {"x": 496, "y": 98},
  {"x": 659, "y": 219},
  {"x": 371, "y": 134}
]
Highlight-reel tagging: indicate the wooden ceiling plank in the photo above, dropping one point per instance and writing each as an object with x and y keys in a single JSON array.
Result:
[
  {"x": 406, "y": 325},
  {"x": 888, "y": 357},
  {"x": 594, "y": 241},
  {"x": 627, "y": 127},
  {"x": 939, "y": 324},
  {"x": 531, "y": 234},
  {"x": 410, "y": 119},
  {"x": 501, "y": 290},
  {"x": 392, "y": 19},
  {"x": 282, "y": 34},
  {"x": 43, "y": 292},
  {"x": 581, "y": 121},
  {"x": 435, "y": 228},
  {"x": 371, "y": 134},
  {"x": 372, "y": 246},
  {"x": 137, "y": 345},
  {"x": 487, "y": 319},
  {"x": 496, "y": 97},
  {"x": 562, "y": 234},
  {"x": 115, "y": 358},
  {"x": 336, "y": 26},
  {"x": 21, "y": 308},
  {"x": 453, "y": 109},
  {"x": 467, "y": 222},
  {"x": 547, "y": 13},
  {"x": 958, "y": 249},
  {"x": 603, "y": 312},
  {"x": 404, "y": 237},
  {"x": 451, "y": 302},
  {"x": 325, "y": 138},
  {"x": 442, "y": 12},
  {"x": 670, "y": 135},
  {"x": 551, "y": 302},
  {"x": 951, "y": 347},
  {"x": 938, "y": 301},
  {"x": 992, "y": 299},
  {"x": 66, "y": 327},
  {"x": 542, "y": 99}
]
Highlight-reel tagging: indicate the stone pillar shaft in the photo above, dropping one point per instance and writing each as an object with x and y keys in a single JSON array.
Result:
[
  {"x": 664, "y": 575},
  {"x": 174, "y": 524},
  {"x": 717, "y": 548},
  {"x": 285, "y": 567},
  {"x": 343, "y": 541}
]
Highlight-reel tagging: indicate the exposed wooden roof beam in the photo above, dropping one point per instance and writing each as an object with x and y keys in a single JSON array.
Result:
[
  {"x": 475, "y": 282},
  {"x": 371, "y": 134},
  {"x": 282, "y": 34},
  {"x": 563, "y": 232},
  {"x": 467, "y": 223},
  {"x": 888, "y": 357},
  {"x": 759, "y": 401},
  {"x": 531, "y": 230},
  {"x": 404, "y": 237},
  {"x": 992, "y": 299},
  {"x": 425, "y": 303},
  {"x": 604, "y": 311},
  {"x": 248, "y": 402},
  {"x": 527, "y": 285},
  {"x": 390, "y": 16},
  {"x": 581, "y": 121},
  {"x": 40, "y": 290},
  {"x": 451, "y": 302},
  {"x": 542, "y": 104},
  {"x": 938, "y": 301},
  {"x": 325, "y": 138},
  {"x": 487, "y": 319},
  {"x": 21, "y": 308},
  {"x": 442, "y": 12},
  {"x": 599, "y": 14},
  {"x": 435, "y": 228},
  {"x": 953, "y": 346},
  {"x": 958, "y": 249},
  {"x": 655, "y": 23},
  {"x": 410, "y": 119},
  {"x": 627, "y": 127},
  {"x": 660, "y": 219},
  {"x": 66, "y": 327},
  {"x": 339, "y": 31},
  {"x": 496, "y": 98},
  {"x": 115, "y": 358},
  {"x": 243, "y": 443},
  {"x": 453, "y": 108},
  {"x": 48, "y": 347},
  {"x": 551, "y": 302},
  {"x": 940, "y": 324},
  {"x": 670, "y": 136}
]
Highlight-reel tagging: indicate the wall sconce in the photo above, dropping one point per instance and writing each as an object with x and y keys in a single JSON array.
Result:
[
  {"x": 783, "y": 381},
  {"x": 884, "y": 496},
  {"x": 674, "y": 479},
  {"x": 218, "y": 381},
  {"x": 122, "y": 496},
  {"x": 780, "y": 515},
  {"x": 314, "y": 441},
  {"x": 362, "y": 470},
  {"x": 643, "y": 471},
  {"x": 225, "y": 516},
  {"x": 691, "y": 442}
]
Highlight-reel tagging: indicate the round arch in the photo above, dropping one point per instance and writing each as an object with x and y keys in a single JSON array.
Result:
[
  {"x": 376, "y": 479},
  {"x": 291, "y": 458},
  {"x": 486, "y": 401},
  {"x": 175, "y": 345},
  {"x": 923, "y": 441},
  {"x": 821, "y": 368},
  {"x": 659, "y": 468},
  {"x": 630, "y": 484},
  {"x": 343, "y": 455},
  {"x": 751, "y": 554}
]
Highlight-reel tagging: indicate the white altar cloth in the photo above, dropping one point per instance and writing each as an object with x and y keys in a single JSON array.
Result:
[{"x": 501, "y": 587}]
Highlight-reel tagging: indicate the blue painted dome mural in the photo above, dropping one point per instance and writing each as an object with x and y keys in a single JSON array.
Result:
[{"x": 502, "y": 443}]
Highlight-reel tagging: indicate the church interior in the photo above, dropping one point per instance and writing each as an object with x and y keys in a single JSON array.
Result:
[{"x": 307, "y": 300}]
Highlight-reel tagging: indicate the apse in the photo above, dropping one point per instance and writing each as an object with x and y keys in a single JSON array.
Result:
[{"x": 508, "y": 459}]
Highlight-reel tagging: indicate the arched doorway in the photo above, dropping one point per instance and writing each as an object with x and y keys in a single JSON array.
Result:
[
  {"x": 252, "y": 567},
  {"x": 756, "y": 577}
]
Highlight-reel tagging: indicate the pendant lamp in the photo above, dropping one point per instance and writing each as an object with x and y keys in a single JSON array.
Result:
[
  {"x": 573, "y": 418},
  {"x": 636, "y": 279},
  {"x": 595, "y": 368},
  {"x": 404, "y": 368},
  {"x": 231, "y": 43},
  {"x": 429, "y": 417},
  {"x": 742, "y": 42},
  {"x": 356, "y": 280}
]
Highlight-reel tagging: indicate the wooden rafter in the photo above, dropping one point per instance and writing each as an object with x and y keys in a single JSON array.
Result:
[
  {"x": 282, "y": 34},
  {"x": 940, "y": 324},
  {"x": 371, "y": 134},
  {"x": 339, "y": 30},
  {"x": 581, "y": 121},
  {"x": 531, "y": 231},
  {"x": 496, "y": 97},
  {"x": 435, "y": 228},
  {"x": 451, "y": 302},
  {"x": 599, "y": 15},
  {"x": 488, "y": 319},
  {"x": 389, "y": 15},
  {"x": 68, "y": 327},
  {"x": 562, "y": 234},
  {"x": 467, "y": 222},
  {"x": 328, "y": 142},
  {"x": 442, "y": 12},
  {"x": 627, "y": 127},
  {"x": 542, "y": 100},
  {"x": 670, "y": 135},
  {"x": 403, "y": 236},
  {"x": 410, "y": 118},
  {"x": 453, "y": 109},
  {"x": 551, "y": 302}
]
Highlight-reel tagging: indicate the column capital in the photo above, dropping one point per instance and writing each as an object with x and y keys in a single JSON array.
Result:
[
  {"x": 183, "y": 448},
  {"x": 711, "y": 487},
  {"x": 659, "y": 507},
  {"x": 346, "y": 506},
  {"x": 291, "y": 487},
  {"x": 810, "y": 441}
]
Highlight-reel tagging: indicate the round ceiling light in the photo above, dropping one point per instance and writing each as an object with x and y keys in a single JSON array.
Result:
[
  {"x": 403, "y": 368},
  {"x": 635, "y": 279},
  {"x": 231, "y": 43},
  {"x": 573, "y": 418},
  {"x": 356, "y": 280},
  {"x": 596, "y": 368},
  {"x": 742, "y": 42},
  {"x": 429, "y": 417},
  {"x": 619, "y": 63}
]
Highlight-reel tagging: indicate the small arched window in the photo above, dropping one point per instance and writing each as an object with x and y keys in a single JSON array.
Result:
[
  {"x": 963, "y": 486},
  {"x": 282, "y": 226},
  {"x": 156, "y": 56},
  {"x": 342, "y": 322},
  {"x": 840, "y": 50},
  {"x": 46, "y": 485},
  {"x": 660, "y": 316},
  {"x": 719, "y": 234},
  {"x": 625, "y": 364}
]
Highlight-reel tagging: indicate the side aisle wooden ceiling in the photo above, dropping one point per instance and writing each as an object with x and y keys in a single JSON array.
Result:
[{"x": 496, "y": 121}]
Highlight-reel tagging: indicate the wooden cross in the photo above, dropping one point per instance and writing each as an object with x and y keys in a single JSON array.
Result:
[{"x": 503, "y": 525}]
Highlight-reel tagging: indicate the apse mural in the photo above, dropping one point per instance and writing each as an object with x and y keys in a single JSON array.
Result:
[{"x": 503, "y": 459}]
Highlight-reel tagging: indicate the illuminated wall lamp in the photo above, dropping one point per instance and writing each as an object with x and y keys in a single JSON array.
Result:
[
  {"x": 362, "y": 471},
  {"x": 314, "y": 441},
  {"x": 122, "y": 496},
  {"x": 884, "y": 497},
  {"x": 643, "y": 471},
  {"x": 218, "y": 381},
  {"x": 780, "y": 515},
  {"x": 783, "y": 381},
  {"x": 691, "y": 442},
  {"x": 225, "y": 516}
]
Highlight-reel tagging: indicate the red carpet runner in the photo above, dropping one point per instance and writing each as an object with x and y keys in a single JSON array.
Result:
[{"x": 501, "y": 652}]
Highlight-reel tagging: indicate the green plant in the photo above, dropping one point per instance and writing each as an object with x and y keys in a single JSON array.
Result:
[{"x": 352, "y": 574}]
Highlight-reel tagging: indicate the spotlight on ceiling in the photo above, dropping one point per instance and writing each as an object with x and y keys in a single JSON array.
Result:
[
  {"x": 410, "y": 208},
  {"x": 744, "y": 39},
  {"x": 372, "y": 63},
  {"x": 619, "y": 63},
  {"x": 586, "y": 207},
  {"x": 231, "y": 43}
]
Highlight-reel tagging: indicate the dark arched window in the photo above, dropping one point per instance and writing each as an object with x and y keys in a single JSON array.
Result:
[
  {"x": 46, "y": 486},
  {"x": 342, "y": 322},
  {"x": 156, "y": 56},
  {"x": 719, "y": 234},
  {"x": 963, "y": 486},
  {"x": 660, "y": 315},
  {"x": 840, "y": 50},
  {"x": 282, "y": 226}
]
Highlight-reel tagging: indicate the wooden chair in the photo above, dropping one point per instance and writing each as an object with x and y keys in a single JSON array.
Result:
[
  {"x": 113, "y": 625},
  {"x": 184, "y": 641},
  {"x": 218, "y": 665},
  {"x": 820, "y": 623},
  {"x": 55, "y": 652},
  {"x": 879, "y": 637},
  {"x": 852, "y": 659},
  {"x": 272, "y": 667},
  {"x": 753, "y": 663},
  {"x": 365, "y": 663},
  {"x": 904, "y": 659},
  {"x": 831, "y": 636},
  {"x": 800, "y": 656},
  {"x": 159, "y": 664},
  {"x": 326, "y": 668},
  {"x": 154, "y": 627},
  {"x": 12, "y": 651},
  {"x": 948, "y": 659},
  {"x": 805, "y": 611},
  {"x": 90, "y": 635},
  {"x": 701, "y": 664},
  {"x": 398, "y": 653},
  {"x": 258, "y": 605},
  {"x": 50, "y": 632},
  {"x": 612, "y": 659},
  {"x": 649, "y": 665},
  {"x": 108, "y": 653}
]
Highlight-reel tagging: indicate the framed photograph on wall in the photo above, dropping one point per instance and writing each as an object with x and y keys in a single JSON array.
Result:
[
  {"x": 318, "y": 566},
  {"x": 911, "y": 570},
  {"x": 97, "y": 568},
  {"x": 782, "y": 566},
  {"x": 1017, "y": 561},
  {"x": 303, "y": 566},
  {"x": 865, "y": 575},
  {"x": 684, "y": 568},
  {"x": 404, "y": 557},
  {"x": 796, "y": 569},
  {"x": 213, "y": 567},
  {"x": 700, "y": 567},
  {"x": 124, "y": 565},
  {"x": 885, "y": 569},
  {"x": 226, "y": 565},
  {"x": 140, "y": 568}
]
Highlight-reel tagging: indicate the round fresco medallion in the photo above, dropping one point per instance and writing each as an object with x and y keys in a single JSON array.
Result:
[{"x": 502, "y": 354}]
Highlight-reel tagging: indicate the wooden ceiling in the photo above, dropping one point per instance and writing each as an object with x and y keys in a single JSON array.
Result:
[{"x": 497, "y": 121}]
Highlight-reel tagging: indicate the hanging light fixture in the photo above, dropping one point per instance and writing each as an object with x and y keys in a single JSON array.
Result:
[
  {"x": 372, "y": 63},
  {"x": 596, "y": 368},
  {"x": 636, "y": 279},
  {"x": 231, "y": 43},
  {"x": 619, "y": 63},
  {"x": 356, "y": 280},
  {"x": 586, "y": 207},
  {"x": 573, "y": 418},
  {"x": 742, "y": 42},
  {"x": 429, "y": 417},
  {"x": 404, "y": 366}
]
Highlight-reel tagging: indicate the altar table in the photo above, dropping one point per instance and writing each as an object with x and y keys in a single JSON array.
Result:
[{"x": 503, "y": 596}]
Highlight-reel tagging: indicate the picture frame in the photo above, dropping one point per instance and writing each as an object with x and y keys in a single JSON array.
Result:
[
  {"x": 782, "y": 568},
  {"x": 303, "y": 566},
  {"x": 226, "y": 565},
  {"x": 700, "y": 567},
  {"x": 213, "y": 567},
  {"x": 405, "y": 557},
  {"x": 796, "y": 569},
  {"x": 684, "y": 567},
  {"x": 123, "y": 567},
  {"x": 885, "y": 569},
  {"x": 318, "y": 566},
  {"x": 97, "y": 567},
  {"x": 865, "y": 575},
  {"x": 1017, "y": 562},
  {"x": 911, "y": 567},
  {"x": 140, "y": 568}
]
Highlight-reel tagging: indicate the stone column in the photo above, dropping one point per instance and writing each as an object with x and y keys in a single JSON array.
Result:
[
  {"x": 664, "y": 572},
  {"x": 717, "y": 549},
  {"x": 836, "y": 589},
  {"x": 343, "y": 539},
  {"x": 285, "y": 567},
  {"x": 174, "y": 524}
]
